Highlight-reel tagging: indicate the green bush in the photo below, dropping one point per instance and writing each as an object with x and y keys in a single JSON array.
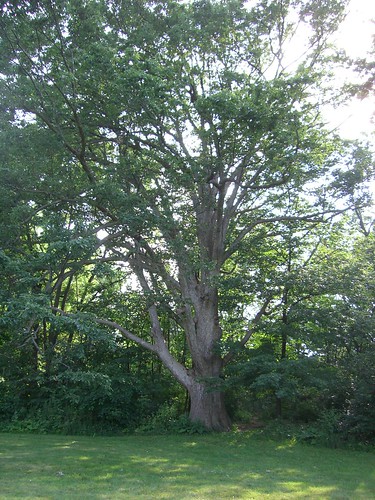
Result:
[
  {"x": 82, "y": 402},
  {"x": 167, "y": 420},
  {"x": 327, "y": 431}
]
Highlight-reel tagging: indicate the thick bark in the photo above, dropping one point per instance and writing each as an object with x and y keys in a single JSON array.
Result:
[
  {"x": 202, "y": 330},
  {"x": 208, "y": 408},
  {"x": 207, "y": 405}
]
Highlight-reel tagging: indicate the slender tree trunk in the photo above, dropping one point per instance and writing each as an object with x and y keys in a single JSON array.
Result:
[{"x": 284, "y": 341}]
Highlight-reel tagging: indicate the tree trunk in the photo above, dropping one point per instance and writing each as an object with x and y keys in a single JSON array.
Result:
[
  {"x": 208, "y": 408},
  {"x": 202, "y": 333},
  {"x": 206, "y": 403}
]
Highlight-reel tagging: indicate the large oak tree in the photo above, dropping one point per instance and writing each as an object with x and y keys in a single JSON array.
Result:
[{"x": 173, "y": 139}]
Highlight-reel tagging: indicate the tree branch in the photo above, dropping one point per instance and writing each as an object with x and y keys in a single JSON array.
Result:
[
  {"x": 228, "y": 357},
  {"x": 116, "y": 326}
]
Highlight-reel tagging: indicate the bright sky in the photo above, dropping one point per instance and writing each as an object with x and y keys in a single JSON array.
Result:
[{"x": 356, "y": 37}]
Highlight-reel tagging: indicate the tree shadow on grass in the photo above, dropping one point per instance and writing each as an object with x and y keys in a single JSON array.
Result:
[{"x": 180, "y": 467}]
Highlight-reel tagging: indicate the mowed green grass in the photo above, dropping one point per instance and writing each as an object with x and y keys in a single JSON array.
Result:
[{"x": 235, "y": 465}]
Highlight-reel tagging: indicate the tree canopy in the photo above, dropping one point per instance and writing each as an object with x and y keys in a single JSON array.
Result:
[{"x": 171, "y": 158}]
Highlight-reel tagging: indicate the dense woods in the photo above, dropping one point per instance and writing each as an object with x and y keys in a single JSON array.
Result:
[{"x": 181, "y": 233}]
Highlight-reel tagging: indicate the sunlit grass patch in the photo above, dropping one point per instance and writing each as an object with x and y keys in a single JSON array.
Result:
[{"x": 163, "y": 467}]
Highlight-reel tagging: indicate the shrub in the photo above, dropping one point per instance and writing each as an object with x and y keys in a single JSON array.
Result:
[{"x": 168, "y": 421}]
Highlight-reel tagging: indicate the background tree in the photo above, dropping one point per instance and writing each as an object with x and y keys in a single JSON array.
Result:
[{"x": 311, "y": 356}]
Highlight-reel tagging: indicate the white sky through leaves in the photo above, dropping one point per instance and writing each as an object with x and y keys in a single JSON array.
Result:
[{"x": 356, "y": 120}]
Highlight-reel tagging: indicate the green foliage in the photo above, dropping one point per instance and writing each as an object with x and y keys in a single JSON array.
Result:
[
  {"x": 168, "y": 420},
  {"x": 304, "y": 386},
  {"x": 171, "y": 143},
  {"x": 327, "y": 431},
  {"x": 359, "y": 421},
  {"x": 84, "y": 403}
]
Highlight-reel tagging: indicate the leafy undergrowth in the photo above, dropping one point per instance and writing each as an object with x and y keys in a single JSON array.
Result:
[{"x": 236, "y": 465}]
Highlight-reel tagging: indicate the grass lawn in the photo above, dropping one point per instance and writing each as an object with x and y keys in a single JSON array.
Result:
[{"x": 238, "y": 465}]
